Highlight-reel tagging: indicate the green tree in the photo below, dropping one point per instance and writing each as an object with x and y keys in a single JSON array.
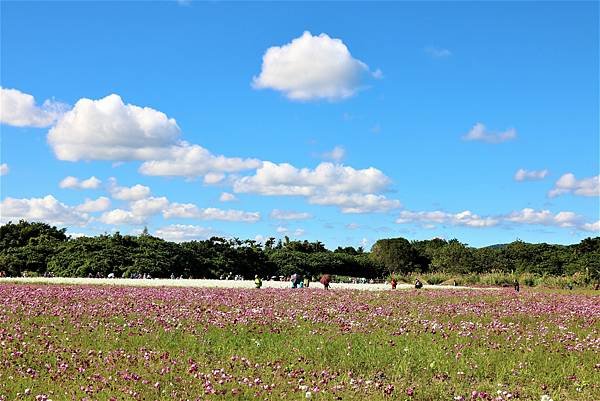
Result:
[
  {"x": 397, "y": 255},
  {"x": 455, "y": 257}
]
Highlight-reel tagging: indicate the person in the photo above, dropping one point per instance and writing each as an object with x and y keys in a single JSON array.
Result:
[
  {"x": 306, "y": 282},
  {"x": 516, "y": 284},
  {"x": 418, "y": 284},
  {"x": 257, "y": 281},
  {"x": 394, "y": 283},
  {"x": 294, "y": 281},
  {"x": 325, "y": 280},
  {"x": 454, "y": 283}
]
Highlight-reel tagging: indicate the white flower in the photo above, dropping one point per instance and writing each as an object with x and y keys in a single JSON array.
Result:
[
  {"x": 308, "y": 394},
  {"x": 546, "y": 397}
]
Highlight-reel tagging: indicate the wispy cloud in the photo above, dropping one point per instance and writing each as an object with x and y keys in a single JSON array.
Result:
[
  {"x": 336, "y": 154},
  {"x": 526, "y": 216},
  {"x": 480, "y": 133},
  {"x": 277, "y": 214},
  {"x": 437, "y": 52},
  {"x": 530, "y": 175}
]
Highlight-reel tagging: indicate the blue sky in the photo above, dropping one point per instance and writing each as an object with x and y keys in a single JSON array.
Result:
[{"x": 342, "y": 122}]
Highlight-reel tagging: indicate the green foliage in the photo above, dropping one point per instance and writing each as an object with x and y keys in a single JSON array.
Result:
[
  {"x": 39, "y": 248},
  {"x": 435, "y": 278},
  {"x": 396, "y": 255},
  {"x": 28, "y": 246},
  {"x": 455, "y": 257},
  {"x": 18, "y": 235}
]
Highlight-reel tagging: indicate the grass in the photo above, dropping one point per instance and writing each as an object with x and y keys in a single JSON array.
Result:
[{"x": 100, "y": 343}]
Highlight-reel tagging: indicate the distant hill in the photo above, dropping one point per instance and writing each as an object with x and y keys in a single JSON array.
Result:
[{"x": 496, "y": 246}]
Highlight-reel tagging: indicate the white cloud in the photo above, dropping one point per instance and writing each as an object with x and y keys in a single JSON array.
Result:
[
  {"x": 285, "y": 179},
  {"x": 437, "y": 52},
  {"x": 525, "y": 175},
  {"x": 227, "y": 197},
  {"x": 133, "y": 193},
  {"x": 336, "y": 154},
  {"x": 277, "y": 214},
  {"x": 594, "y": 227},
  {"x": 96, "y": 205},
  {"x": 76, "y": 235},
  {"x": 527, "y": 216},
  {"x": 47, "y": 209},
  {"x": 479, "y": 133},
  {"x": 260, "y": 238},
  {"x": 312, "y": 67},
  {"x": 356, "y": 203},
  {"x": 464, "y": 218},
  {"x": 182, "y": 232},
  {"x": 108, "y": 129},
  {"x": 74, "y": 183},
  {"x": 567, "y": 183},
  {"x": 187, "y": 160},
  {"x": 122, "y": 217},
  {"x": 189, "y": 210},
  {"x": 4, "y": 169},
  {"x": 377, "y": 74},
  {"x": 19, "y": 109},
  {"x": 543, "y": 217},
  {"x": 213, "y": 178},
  {"x": 142, "y": 207},
  {"x": 298, "y": 232},
  {"x": 354, "y": 191},
  {"x": 149, "y": 206}
]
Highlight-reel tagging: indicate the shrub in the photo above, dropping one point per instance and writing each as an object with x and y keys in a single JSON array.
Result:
[
  {"x": 529, "y": 279},
  {"x": 436, "y": 278}
]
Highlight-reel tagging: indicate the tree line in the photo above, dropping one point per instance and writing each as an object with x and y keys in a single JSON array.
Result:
[{"x": 38, "y": 248}]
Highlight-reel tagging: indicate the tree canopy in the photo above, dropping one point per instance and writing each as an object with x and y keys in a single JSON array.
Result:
[{"x": 38, "y": 248}]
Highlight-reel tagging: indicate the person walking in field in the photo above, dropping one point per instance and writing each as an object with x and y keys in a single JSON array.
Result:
[
  {"x": 418, "y": 284},
  {"x": 257, "y": 281},
  {"x": 306, "y": 282},
  {"x": 325, "y": 280},
  {"x": 394, "y": 283},
  {"x": 516, "y": 285}
]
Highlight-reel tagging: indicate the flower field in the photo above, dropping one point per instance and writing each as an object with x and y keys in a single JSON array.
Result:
[{"x": 63, "y": 342}]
